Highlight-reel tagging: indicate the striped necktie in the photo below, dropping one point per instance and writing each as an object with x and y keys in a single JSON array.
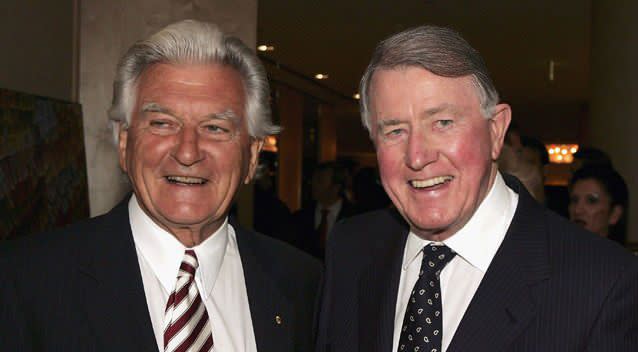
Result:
[{"x": 186, "y": 324}]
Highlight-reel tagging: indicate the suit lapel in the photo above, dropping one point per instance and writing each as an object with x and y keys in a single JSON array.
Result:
[
  {"x": 111, "y": 283},
  {"x": 269, "y": 309},
  {"x": 503, "y": 304},
  {"x": 378, "y": 287}
]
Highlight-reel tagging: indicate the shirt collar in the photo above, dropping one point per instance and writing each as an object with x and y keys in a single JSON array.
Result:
[
  {"x": 164, "y": 253},
  {"x": 477, "y": 241}
]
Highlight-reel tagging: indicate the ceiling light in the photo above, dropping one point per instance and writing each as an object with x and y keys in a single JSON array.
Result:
[
  {"x": 264, "y": 47},
  {"x": 321, "y": 76},
  {"x": 561, "y": 153},
  {"x": 357, "y": 96}
]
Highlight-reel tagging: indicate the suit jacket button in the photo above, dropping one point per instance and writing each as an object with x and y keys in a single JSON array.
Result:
[{"x": 278, "y": 320}]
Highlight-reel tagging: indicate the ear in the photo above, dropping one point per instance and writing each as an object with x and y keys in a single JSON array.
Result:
[
  {"x": 255, "y": 148},
  {"x": 499, "y": 123},
  {"x": 615, "y": 214},
  {"x": 123, "y": 138}
]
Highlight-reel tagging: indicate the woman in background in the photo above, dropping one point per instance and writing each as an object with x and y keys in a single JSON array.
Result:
[{"x": 598, "y": 200}]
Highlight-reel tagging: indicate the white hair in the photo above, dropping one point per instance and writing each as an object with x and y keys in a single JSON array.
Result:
[{"x": 193, "y": 42}]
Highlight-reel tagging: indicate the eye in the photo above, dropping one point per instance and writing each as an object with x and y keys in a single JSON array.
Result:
[
  {"x": 216, "y": 129},
  {"x": 444, "y": 123},
  {"x": 219, "y": 131},
  {"x": 394, "y": 132},
  {"x": 573, "y": 199},
  {"x": 162, "y": 126},
  {"x": 159, "y": 123},
  {"x": 592, "y": 198}
]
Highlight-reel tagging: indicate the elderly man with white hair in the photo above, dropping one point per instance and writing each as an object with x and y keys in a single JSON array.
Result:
[{"x": 166, "y": 270}]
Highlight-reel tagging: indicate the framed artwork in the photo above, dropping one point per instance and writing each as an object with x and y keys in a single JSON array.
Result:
[{"x": 43, "y": 177}]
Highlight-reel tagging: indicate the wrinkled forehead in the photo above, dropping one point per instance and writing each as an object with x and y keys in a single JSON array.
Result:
[
  {"x": 388, "y": 89},
  {"x": 212, "y": 85}
]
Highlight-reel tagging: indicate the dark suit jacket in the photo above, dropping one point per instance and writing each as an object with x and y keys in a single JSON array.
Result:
[
  {"x": 80, "y": 289},
  {"x": 308, "y": 238},
  {"x": 550, "y": 287}
]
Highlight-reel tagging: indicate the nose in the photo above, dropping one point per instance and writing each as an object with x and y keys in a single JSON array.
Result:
[
  {"x": 420, "y": 150},
  {"x": 187, "y": 149},
  {"x": 576, "y": 208}
]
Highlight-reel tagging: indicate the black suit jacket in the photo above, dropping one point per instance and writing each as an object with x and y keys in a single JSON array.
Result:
[
  {"x": 550, "y": 287},
  {"x": 80, "y": 289}
]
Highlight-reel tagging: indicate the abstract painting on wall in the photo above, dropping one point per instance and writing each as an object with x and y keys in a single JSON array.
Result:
[{"x": 43, "y": 180}]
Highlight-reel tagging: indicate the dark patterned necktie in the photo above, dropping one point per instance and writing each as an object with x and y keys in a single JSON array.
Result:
[
  {"x": 186, "y": 324},
  {"x": 423, "y": 321}
]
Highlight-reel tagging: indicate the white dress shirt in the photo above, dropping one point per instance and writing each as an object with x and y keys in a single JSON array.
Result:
[
  {"x": 219, "y": 279},
  {"x": 475, "y": 246}
]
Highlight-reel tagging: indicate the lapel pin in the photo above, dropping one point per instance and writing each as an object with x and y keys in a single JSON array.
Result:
[{"x": 278, "y": 320}]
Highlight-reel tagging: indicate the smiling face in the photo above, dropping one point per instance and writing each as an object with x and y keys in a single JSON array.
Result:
[
  {"x": 590, "y": 206},
  {"x": 435, "y": 149},
  {"x": 187, "y": 149}
]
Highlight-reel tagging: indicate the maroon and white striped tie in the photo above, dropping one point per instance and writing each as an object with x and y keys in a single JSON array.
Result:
[{"x": 186, "y": 324}]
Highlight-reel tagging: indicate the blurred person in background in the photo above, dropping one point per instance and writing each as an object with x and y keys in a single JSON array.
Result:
[
  {"x": 590, "y": 156},
  {"x": 328, "y": 206},
  {"x": 534, "y": 156},
  {"x": 598, "y": 200}
]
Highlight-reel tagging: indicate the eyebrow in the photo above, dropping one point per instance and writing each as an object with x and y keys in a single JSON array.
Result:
[
  {"x": 228, "y": 114},
  {"x": 427, "y": 113},
  {"x": 388, "y": 122},
  {"x": 445, "y": 107},
  {"x": 155, "y": 107}
]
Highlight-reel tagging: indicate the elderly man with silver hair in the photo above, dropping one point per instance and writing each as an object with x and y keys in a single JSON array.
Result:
[
  {"x": 166, "y": 269},
  {"x": 467, "y": 260}
]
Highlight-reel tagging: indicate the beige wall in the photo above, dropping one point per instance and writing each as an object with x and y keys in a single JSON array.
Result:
[
  {"x": 36, "y": 42},
  {"x": 614, "y": 106},
  {"x": 107, "y": 29}
]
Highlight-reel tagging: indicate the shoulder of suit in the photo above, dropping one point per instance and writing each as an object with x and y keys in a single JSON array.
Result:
[
  {"x": 378, "y": 221},
  {"x": 57, "y": 246},
  {"x": 279, "y": 253},
  {"x": 572, "y": 245}
]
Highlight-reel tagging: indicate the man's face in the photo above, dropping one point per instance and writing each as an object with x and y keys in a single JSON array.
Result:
[
  {"x": 322, "y": 186},
  {"x": 435, "y": 149},
  {"x": 187, "y": 149}
]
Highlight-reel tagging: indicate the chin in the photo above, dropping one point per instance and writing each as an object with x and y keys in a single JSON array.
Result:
[{"x": 186, "y": 217}]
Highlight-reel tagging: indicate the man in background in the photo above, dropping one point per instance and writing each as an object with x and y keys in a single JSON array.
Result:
[{"x": 329, "y": 205}]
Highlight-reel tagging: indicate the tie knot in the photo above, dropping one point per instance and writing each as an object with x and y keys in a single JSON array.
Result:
[
  {"x": 435, "y": 257},
  {"x": 189, "y": 263}
]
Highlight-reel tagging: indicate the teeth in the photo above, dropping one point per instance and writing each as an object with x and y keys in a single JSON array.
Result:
[
  {"x": 186, "y": 179},
  {"x": 430, "y": 182}
]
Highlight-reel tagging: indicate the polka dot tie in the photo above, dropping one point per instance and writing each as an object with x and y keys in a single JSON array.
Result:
[{"x": 422, "y": 323}]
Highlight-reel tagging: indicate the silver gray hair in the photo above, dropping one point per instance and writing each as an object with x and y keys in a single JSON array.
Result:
[
  {"x": 193, "y": 42},
  {"x": 439, "y": 50}
]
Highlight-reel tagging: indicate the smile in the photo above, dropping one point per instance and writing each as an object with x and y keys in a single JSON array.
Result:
[
  {"x": 186, "y": 180},
  {"x": 431, "y": 182}
]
